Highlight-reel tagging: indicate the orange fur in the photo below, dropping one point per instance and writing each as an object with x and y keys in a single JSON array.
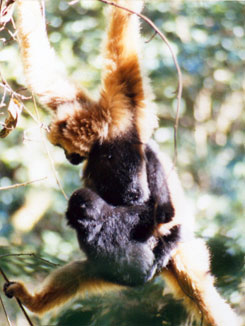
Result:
[
  {"x": 63, "y": 284},
  {"x": 79, "y": 122},
  {"x": 44, "y": 77},
  {"x": 188, "y": 275}
]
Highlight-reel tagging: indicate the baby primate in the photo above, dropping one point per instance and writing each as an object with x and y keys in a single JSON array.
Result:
[{"x": 120, "y": 241}]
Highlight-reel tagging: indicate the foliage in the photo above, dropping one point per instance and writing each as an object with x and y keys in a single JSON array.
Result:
[{"x": 209, "y": 39}]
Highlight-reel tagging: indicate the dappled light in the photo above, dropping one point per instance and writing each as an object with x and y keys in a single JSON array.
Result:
[{"x": 208, "y": 39}]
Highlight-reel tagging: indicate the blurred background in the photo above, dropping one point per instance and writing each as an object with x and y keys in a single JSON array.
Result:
[{"x": 209, "y": 41}]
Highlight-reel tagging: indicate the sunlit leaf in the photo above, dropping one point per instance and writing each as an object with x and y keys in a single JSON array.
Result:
[{"x": 14, "y": 112}]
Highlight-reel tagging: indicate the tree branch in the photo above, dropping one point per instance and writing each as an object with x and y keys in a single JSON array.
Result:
[
  {"x": 19, "y": 303},
  {"x": 17, "y": 185}
]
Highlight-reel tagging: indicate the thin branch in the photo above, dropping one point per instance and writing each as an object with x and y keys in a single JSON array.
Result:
[
  {"x": 7, "y": 89},
  {"x": 5, "y": 312},
  {"x": 151, "y": 38},
  {"x": 48, "y": 152},
  {"x": 2, "y": 104},
  {"x": 13, "y": 23},
  {"x": 31, "y": 254},
  {"x": 180, "y": 83},
  {"x": 31, "y": 115},
  {"x": 5, "y": 84},
  {"x": 19, "y": 303},
  {"x": 17, "y": 185}
]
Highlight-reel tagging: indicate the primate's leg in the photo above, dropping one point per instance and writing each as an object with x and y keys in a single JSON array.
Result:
[
  {"x": 63, "y": 284},
  {"x": 189, "y": 277}
]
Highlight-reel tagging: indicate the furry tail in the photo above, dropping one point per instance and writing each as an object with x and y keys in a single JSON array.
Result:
[{"x": 189, "y": 277}]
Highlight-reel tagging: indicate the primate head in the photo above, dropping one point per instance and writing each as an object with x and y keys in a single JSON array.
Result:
[{"x": 115, "y": 167}]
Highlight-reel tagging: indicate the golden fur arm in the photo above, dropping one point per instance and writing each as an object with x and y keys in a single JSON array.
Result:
[
  {"x": 188, "y": 275},
  {"x": 63, "y": 284},
  {"x": 125, "y": 91},
  {"x": 43, "y": 74},
  {"x": 122, "y": 78},
  {"x": 78, "y": 122}
]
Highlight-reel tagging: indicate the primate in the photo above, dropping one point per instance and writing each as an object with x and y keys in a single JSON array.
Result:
[
  {"x": 112, "y": 135},
  {"x": 121, "y": 241}
]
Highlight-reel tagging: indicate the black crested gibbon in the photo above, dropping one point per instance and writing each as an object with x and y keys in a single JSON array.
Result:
[{"x": 133, "y": 204}]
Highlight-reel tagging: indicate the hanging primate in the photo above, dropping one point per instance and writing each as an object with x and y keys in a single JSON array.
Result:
[
  {"x": 120, "y": 242},
  {"x": 123, "y": 189}
]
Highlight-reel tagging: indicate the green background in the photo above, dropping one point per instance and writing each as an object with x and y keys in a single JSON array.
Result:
[{"x": 209, "y": 40}]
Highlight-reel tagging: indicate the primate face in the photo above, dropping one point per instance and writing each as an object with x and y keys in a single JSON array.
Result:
[
  {"x": 74, "y": 158},
  {"x": 117, "y": 172}
]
